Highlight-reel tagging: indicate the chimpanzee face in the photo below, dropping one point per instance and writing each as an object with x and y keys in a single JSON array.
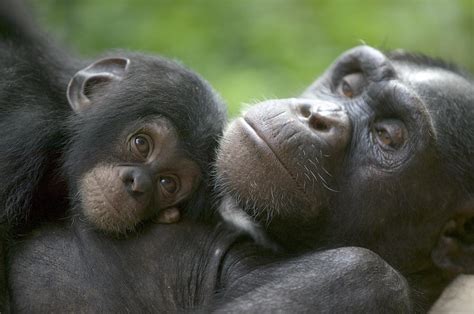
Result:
[
  {"x": 146, "y": 173},
  {"x": 142, "y": 137},
  {"x": 361, "y": 158}
]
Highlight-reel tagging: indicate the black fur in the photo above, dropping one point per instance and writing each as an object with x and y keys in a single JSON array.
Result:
[
  {"x": 191, "y": 267},
  {"x": 45, "y": 146},
  {"x": 40, "y": 131}
]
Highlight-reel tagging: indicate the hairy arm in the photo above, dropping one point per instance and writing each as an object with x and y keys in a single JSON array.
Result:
[{"x": 337, "y": 281}]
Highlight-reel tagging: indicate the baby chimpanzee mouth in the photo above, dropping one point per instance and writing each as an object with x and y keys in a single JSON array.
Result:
[{"x": 107, "y": 204}]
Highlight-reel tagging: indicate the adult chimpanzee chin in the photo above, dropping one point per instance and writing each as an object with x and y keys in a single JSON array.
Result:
[
  {"x": 119, "y": 140},
  {"x": 377, "y": 153}
]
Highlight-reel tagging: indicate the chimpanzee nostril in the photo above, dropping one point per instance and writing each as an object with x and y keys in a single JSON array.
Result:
[
  {"x": 305, "y": 110},
  {"x": 135, "y": 180},
  {"x": 319, "y": 116},
  {"x": 324, "y": 119},
  {"x": 319, "y": 123}
]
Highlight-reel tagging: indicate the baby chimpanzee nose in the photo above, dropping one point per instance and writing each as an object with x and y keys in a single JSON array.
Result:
[{"x": 135, "y": 179}]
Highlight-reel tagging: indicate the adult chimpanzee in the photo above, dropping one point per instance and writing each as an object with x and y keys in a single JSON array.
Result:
[
  {"x": 126, "y": 138},
  {"x": 377, "y": 153},
  {"x": 398, "y": 130}
]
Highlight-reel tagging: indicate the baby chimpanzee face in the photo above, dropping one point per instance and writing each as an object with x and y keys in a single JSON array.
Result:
[
  {"x": 143, "y": 135},
  {"x": 151, "y": 176}
]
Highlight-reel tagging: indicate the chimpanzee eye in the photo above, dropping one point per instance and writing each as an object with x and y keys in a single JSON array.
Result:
[
  {"x": 169, "y": 184},
  {"x": 141, "y": 144},
  {"x": 346, "y": 89},
  {"x": 390, "y": 133},
  {"x": 351, "y": 85}
]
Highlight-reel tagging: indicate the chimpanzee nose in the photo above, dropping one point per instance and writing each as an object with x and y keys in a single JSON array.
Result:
[
  {"x": 326, "y": 119},
  {"x": 135, "y": 179}
]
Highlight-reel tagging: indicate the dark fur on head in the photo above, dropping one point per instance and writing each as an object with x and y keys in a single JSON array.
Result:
[
  {"x": 456, "y": 143},
  {"x": 161, "y": 88},
  {"x": 39, "y": 125}
]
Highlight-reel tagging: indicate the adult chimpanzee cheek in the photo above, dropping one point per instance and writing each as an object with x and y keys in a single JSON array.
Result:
[{"x": 112, "y": 200}]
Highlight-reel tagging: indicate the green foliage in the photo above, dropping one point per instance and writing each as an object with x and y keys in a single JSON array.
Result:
[{"x": 255, "y": 49}]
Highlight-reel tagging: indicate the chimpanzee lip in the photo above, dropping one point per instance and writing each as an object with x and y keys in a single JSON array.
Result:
[
  {"x": 253, "y": 132},
  {"x": 259, "y": 139},
  {"x": 95, "y": 199}
]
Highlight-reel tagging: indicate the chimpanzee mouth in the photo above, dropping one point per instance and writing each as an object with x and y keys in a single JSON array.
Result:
[
  {"x": 105, "y": 203},
  {"x": 259, "y": 139}
]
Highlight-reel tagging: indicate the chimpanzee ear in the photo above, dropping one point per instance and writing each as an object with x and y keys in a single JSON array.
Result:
[
  {"x": 92, "y": 78},
  {"x": 455, "y": 249}
]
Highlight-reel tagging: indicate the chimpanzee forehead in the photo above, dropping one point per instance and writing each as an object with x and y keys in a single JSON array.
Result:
[
  {"x": 435, "y": 79},
  {"x": 438, "y": 87}
]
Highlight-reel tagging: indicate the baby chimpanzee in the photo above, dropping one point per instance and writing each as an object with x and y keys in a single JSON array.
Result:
[
  {"x": 130, "y": 136},
  {"x": 123, "y": 139}
]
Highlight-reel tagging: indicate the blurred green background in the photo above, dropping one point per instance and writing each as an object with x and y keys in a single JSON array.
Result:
[{"x": 258, "y": 49}]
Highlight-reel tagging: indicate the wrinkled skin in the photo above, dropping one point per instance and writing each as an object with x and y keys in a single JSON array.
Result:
[{"x": 377, "y": 153}]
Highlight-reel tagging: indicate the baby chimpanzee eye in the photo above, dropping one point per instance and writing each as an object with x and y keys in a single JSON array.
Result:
[
  {"x": 141, "y": 145},
  {"x": 169, "y": 184}
]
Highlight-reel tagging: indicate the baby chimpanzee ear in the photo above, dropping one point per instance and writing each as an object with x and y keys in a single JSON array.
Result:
[
  {"x": 96, "y": 75},
  {"x": 455, "y": 249}
]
